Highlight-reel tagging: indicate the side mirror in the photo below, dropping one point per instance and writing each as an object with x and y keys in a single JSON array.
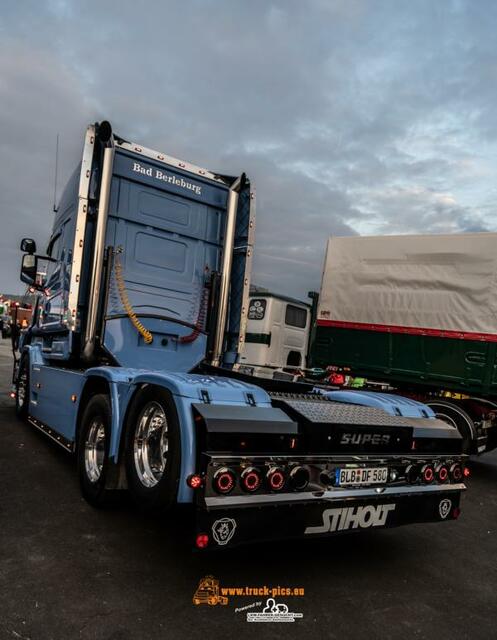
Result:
[
  {"x": 29, "y": 268},
  {"x": 28, "y": 245}
]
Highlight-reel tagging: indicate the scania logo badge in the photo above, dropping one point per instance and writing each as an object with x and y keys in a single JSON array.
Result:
[
  {"x": 444, "y": 508},
  {"x": 223, "y": 530}
]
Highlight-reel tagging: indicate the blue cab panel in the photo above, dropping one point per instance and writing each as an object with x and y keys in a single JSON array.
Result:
[{"x": 166, "y": 229}]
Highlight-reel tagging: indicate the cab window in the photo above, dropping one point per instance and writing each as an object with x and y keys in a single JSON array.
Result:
[{"x": 295, "y": 316}]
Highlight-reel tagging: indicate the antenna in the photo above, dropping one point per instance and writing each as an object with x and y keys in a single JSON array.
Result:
[{"x": 55, "y": 208}]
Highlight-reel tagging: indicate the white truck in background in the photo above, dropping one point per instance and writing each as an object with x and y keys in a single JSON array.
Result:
[{"x": 277, "y": 339}]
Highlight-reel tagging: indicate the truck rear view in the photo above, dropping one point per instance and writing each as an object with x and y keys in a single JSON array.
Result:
[{"x": 131, "y": 363}]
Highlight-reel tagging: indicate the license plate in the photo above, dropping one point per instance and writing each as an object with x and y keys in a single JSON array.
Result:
[{"x": 357, "y": 477}]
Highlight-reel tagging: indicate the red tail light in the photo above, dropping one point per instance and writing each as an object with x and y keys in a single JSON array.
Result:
[
  {"x": 466, "y": 472},
  {"x": 250, "y": 479},
  {"x": 194, "y": 481},
  {"x": 442, "y": 473},
  {"x": 224, "y": 480},
  {"x": 202, "y": 541},
  {"x": 428, "y": 473},
  {"x": 456, "y": 472},
  {"x": 276, "y": 478},
  {"x": 299, "y": 478}
]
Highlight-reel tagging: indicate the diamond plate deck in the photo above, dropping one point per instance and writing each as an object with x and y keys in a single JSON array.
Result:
[{"x": 329, "y": 412}]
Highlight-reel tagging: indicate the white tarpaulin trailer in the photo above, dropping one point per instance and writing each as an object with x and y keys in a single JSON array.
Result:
[{"x": 438, "y": 284}]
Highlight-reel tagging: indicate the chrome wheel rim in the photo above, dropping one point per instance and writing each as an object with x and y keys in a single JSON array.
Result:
[
  {"x": 95, "y": 450},
  {"x": 151, "y": 444}
]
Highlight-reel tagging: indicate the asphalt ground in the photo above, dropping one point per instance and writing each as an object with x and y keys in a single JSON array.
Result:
[{"x": 69, "y": 571}]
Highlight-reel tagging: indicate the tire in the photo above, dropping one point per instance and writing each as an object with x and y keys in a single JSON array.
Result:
[
  {"x": 93, "y": 451},
  {"x": 153, "y": 451},
  {"x": 456, "y": 417},
  {"x": 22, "y": 388}
]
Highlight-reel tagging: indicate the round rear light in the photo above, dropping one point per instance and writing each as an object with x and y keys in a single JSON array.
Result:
[
  {"x": 456, "y": 472},
  {"x": 412, "y": 473},
  {"x": 202, "y": 541},
  {"x": 224, "y": 480},
  {"x": 299, "y": 478},
  {"x": 194, "y": 481},
  {"x": 442, "y": 473},
  {"x": 466, "y": 472},
  {"x": 428, "y": 473},
  {"x": 250, "y": 479},
  {"x": 276, "y": 478}
]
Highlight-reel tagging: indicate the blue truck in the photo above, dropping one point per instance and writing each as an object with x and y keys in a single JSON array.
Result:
[{"x": 130, "y": 362}]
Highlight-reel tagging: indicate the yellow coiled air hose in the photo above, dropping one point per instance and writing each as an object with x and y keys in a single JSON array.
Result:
[{"x": 143, "y": 331}]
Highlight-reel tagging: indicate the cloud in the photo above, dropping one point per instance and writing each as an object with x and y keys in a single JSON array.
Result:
[{"x": 350, "y": 116}]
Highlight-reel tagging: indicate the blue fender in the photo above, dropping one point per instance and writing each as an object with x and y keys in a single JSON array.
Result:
[
  {"x": 389, "y": 402},
  {"x": 186, "y": 389}
]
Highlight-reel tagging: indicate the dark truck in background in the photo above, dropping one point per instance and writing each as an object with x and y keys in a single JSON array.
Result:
[
  {"x": 418, "y": 313},
  {"x": 131, "y": 362}
]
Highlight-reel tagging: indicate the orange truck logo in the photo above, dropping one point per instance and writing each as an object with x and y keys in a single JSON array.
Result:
[{"x": 208, "y": 592}]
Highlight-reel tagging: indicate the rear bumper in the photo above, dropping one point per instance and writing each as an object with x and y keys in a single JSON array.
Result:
[{"x": 231, "y": 522}]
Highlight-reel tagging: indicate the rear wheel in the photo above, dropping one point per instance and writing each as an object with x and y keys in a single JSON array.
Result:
[
  {"x": 93, "y": 450},
  {"x": 153, "y": 450},
  {"x": 456, "y": 417},
  {"x": 22, "y": 388}
]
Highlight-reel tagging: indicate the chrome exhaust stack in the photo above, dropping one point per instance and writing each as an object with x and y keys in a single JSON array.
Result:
[
  {"x": 105, "y": 135},
  {"x": 229, "y": 241}
]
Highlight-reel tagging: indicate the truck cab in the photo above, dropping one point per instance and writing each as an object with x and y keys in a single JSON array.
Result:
[{"x": 277, "y": 336}]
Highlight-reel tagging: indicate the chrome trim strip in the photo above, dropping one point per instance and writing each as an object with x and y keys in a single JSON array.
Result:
[
  {"x": 73, "y": 321},
  {"x": 229, "y": 239},
  {"x": 334, "y": 495},
  {"x": 246, "y": 278},
  {"x": 67, "y": 445},
  {"x": 162, "y": 157},
  {"x": 333, "y": 458},
  {"x": 98, "y": 253}
]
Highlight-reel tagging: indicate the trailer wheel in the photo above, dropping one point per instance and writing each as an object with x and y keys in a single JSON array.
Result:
[
  {"x": 152, "y": 452},
  {"x": 22, "y": 388},
  {"x": 93, "y": 450},
  {"x": 456, "y": 417}
]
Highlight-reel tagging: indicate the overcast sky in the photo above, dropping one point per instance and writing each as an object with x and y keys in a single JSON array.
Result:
[{"x": 353, "y": 116}]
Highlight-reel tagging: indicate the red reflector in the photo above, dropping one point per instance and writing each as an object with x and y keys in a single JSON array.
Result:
[
  {"x": 224, "y": 480},
  {"x": 466, "y": 472},
  {"x": 276, "y": 479},
  {"x": 456, "y": 512},
  {"x": 251, "y": 480},
  {"x": 442, "y": 473},
  {"x": 194, "y": 481},
  {"x": 202, "y": 541},
  {"x": 456, "y": 472},
  {"x": 428, "y": 474}
]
